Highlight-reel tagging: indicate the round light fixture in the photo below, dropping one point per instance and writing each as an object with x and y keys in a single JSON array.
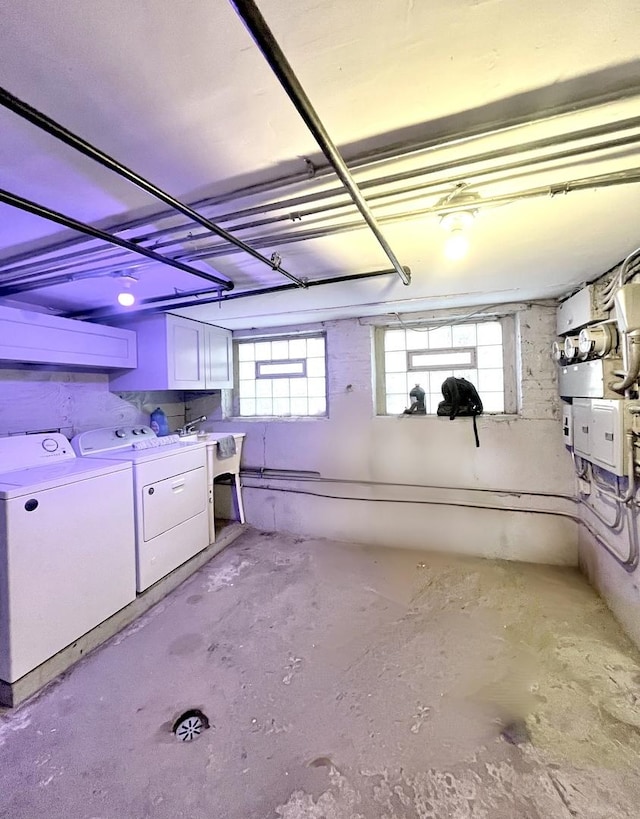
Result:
[
  {"x": 456, "y": 222},
  {"x": 125, "y": 297}
]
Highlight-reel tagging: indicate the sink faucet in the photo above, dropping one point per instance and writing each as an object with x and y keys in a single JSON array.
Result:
[{"x": 189, "y": 428}]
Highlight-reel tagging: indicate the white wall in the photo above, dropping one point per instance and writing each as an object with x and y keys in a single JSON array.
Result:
[
  {"x": 398, "y": 457},
  {"x": 35, "y": 398}
]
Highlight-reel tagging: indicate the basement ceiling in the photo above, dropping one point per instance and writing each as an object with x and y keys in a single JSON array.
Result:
[{"x": 525, "y": 114}]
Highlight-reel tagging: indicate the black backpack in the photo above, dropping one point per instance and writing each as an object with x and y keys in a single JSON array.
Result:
[{"x": 460, "y": 398}]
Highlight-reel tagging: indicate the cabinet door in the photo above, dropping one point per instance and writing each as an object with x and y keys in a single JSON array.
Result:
[
  {"x": 185, "y": 354},
  {"x": 218, "y": 357},
  {"x": 581, "y": 424}
]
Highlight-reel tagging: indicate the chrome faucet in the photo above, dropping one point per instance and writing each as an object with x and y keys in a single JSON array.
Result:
[{"x": 187, "y": 429}]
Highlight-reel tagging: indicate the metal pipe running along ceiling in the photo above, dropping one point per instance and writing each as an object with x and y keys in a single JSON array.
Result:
[
  {"x": 28, "y": 206},
  {"x": 196, "y": 298},
  {"x": 266, "y": 42},
  {"x": 53, "y": 128}
]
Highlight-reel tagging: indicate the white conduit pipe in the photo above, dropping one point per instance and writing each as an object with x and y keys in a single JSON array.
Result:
[
  {"x": 630, "y": 347},
  {"x": 618, "y": 280}
]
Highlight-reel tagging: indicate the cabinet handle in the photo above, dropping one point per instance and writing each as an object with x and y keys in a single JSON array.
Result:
[
  {"x": 177, "y": 486},
  {"x": 608, "y": 436},
  {"x": 585, "y": 430}
]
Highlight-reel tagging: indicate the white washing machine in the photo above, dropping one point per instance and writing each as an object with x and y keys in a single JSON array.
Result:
[
  {"x": 169, "y": 490},
  {"x": 67, "y": 547}
]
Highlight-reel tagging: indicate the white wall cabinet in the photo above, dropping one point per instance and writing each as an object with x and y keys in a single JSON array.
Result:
[
  {"x": 38, "y": 338},
  {"x": 176, "y": 353}
]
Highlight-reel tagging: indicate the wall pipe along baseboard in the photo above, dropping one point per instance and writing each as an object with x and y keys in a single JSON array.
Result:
[
  {"x": 28, "y": 206},
  {"x": 159, "y": 304},
  {"x": 629, "y": 564},
  {"x": 58, "y": 131},
  {"x": 374, "y": 156},
  {"x": 266, "y": 42}
]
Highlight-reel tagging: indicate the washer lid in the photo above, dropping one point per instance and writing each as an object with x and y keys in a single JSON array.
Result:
[{"x": 40, "y": 478}]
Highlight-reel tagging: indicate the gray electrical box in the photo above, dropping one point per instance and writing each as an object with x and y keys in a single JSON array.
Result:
[
  {"x": 581, "y": 309},
  {"x": 589, "y": 379},
  {"x": 599, "y": 430}
]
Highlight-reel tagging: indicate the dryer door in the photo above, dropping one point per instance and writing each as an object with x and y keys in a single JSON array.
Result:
[{"x": 172, "y": 501}]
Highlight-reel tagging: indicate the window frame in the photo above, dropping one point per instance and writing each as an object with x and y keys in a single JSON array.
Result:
[
  {"x": 278, "y": 337},
  {"x": 509, "y": 359}
]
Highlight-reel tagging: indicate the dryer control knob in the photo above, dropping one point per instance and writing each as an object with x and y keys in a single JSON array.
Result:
[
  {"x": 120, "y": 433},
  {"x": 50, "y": 444}
]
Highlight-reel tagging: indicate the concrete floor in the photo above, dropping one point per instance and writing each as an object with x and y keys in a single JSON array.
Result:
[{"x": 342, "y": 682}]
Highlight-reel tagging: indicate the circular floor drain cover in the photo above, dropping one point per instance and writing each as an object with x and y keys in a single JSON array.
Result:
[{"x": 190, "y": 725}]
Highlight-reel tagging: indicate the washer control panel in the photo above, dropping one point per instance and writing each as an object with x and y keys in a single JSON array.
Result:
[
  {"x": 107, "y": 439},
  {"x": 27, "y": 451}
]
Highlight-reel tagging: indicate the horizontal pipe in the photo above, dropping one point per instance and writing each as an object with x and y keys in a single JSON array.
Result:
[
  {"x": 266, "y": 42},
  {"x": 606, "y": 180},
  {"x": 375, "y": 156},
  {"x": 163, "y": 303},
  {"x": 28, "y": 206},
  {"x": 15, "y": 272},
  {"x": 49, "y": 126}
]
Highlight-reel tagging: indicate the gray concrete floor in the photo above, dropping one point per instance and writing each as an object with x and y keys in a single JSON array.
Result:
[{"x": 342, "y": 682}]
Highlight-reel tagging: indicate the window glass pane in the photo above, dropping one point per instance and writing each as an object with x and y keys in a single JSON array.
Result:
[
  {"x": 493, "y": 401},
  {"x": 491, "y": 381},
  {"x": 246, "y": 352},
  {"x": 299, "y": 406},
  {"x": 315, "y": 387},
  {"x": 280, "y": 387},
  {"x": 264, "y": 406},
  {"x": 396, "y": 404},
  {"x": 280, "y": 368},
  {"x": 247, "y": 406},
  {"x": 317, "y": 405},
  {"x": 434, "y": 399},
  {"x": 417, "y": 340},
  {"x": 263, "y": 388},
  {"x": 315, "y": 367},
  {"x": 247, "y": 389},
  {"x": 298, "y": 387},
  {"x": 448, "y": 359},
  {"x": 489, "y": 356},
  {"x": 440, "y": 337},
  {"x": 489, "y": 332},
  {"x": 315, "y": 347},
  {"x": 396, "y": 382},
  {"x": 394, "y": 340},
  {"x": 263, "y": 351},
  {"x": 279, "y": 350},
  {"x": 281, "y": 406},
  {"x": 463, "y": 335},
  {"x": 246, "y": 369},
  {"x": 297, "y": 348},
  {"x": 395, "y": 362}
]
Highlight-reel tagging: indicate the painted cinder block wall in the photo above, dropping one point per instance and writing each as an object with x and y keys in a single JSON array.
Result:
[{"x": 379, "y": 472}]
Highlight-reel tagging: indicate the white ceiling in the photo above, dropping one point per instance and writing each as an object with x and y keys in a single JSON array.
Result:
[{"x": 180, "y": 93}]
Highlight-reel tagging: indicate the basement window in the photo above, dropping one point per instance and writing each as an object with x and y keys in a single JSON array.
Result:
[
  {"x": 284, "y": 376},
  {"x": 426, "y": 354}
]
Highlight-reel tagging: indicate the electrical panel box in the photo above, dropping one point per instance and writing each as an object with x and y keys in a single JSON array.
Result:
[
  {"x": 589, "y": 379},
  {"x": 579, "y": 310},
  {"x": 567, "y": 424},
  {"x": 581, "y": 424},
  {"x": 599, "y": 430}
]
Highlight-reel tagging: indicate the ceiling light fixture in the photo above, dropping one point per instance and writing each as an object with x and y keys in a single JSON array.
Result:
[
  {"x": 457, "y": 223},
  {"x": 125, "y": 297}
]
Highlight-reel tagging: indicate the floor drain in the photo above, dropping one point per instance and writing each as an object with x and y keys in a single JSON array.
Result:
[{"x": 190, "y": 725}]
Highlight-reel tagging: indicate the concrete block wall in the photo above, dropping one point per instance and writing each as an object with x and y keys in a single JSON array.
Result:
[{"x": 419, "y": 482}]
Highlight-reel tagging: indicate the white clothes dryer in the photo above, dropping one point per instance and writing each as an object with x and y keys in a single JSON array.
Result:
[
  {"x": 169, "y": 492},
  {"x": 67, "y": 548}
]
